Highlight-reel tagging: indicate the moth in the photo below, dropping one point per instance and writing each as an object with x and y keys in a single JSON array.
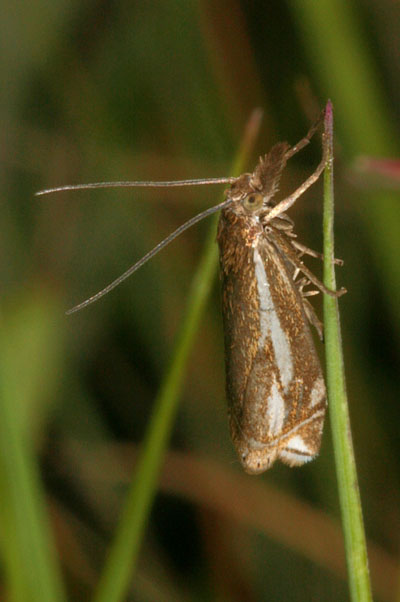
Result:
[{"x": 274, "y": 381}]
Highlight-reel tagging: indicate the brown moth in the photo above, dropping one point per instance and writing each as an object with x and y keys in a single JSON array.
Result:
[{"x": 274, "y": 382}]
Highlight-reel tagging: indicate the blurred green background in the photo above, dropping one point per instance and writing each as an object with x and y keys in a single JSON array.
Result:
[{"x": 112, "y": 90}]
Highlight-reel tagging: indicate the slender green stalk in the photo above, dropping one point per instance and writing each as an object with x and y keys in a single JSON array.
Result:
[
  {"x": 350, "y": 503},
  {"x": 30, "y": 563},
  {"x": 123, "y": 555}
]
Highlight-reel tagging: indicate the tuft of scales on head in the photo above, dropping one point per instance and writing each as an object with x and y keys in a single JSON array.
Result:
[
  {"x": 265, "y": 178},
  {"x": 267, "y": 174}
]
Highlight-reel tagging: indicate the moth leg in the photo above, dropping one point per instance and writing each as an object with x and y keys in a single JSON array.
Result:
[
  {"x": 320, "y": 285},
  {"x": 308, "y": 308},
  {"x": 306, "y": 140},
  {"x": 310, "y": 293},
  {"x": 286, "y": 248},
  {"x": 301, "y": 284},
  {"x": 313, "y": 318},
  {"x": 296, "y": 273},
  {"x": 285, "y": 204},
  {"x": 297, "y": 270},
  {"x": 306, "y": 251}
]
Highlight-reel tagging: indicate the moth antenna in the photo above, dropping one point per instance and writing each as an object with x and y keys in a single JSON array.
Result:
[
  {"x": 139, "y": 184},
  {"x": 150, "y": 254}
]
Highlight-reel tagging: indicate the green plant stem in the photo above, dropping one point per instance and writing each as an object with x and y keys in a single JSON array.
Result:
[
  {"x": 350, "y": 503},
  {"x": 30, "y": 564},
  {"x": 123, "y": 555}
]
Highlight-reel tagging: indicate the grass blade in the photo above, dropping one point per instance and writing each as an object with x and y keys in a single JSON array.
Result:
[
  {"x": 30, "y": 351},
  {"x": 350, "y": 503}
]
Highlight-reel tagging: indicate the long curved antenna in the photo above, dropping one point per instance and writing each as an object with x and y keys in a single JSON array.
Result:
[
  {"x": 150, "y": 254},
  {"x": 138, "y": 184}
]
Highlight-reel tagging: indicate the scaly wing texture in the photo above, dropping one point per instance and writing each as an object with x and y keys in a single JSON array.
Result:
[{"x": 275, "y": 388}]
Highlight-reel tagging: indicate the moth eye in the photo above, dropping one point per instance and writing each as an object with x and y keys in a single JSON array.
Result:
[{"x": 253, "y": 202}]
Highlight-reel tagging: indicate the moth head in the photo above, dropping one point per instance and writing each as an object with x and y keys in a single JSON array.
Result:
[{"x": 246, "y": 199}]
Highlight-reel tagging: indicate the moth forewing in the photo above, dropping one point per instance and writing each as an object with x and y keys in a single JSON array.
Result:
[{"x": 275, "y": 387}]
